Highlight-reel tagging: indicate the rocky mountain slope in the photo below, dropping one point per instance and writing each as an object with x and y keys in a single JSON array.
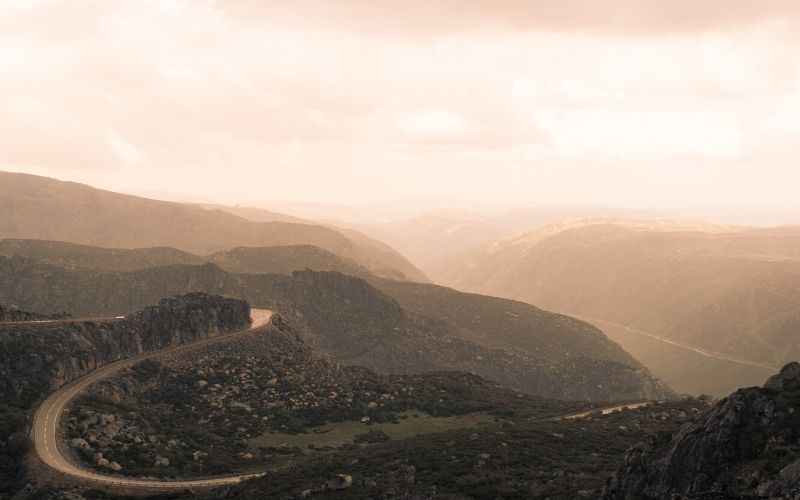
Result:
[
  {"x": 284, "y": 260},
  {"x": 39, "y": 357},
  {"x": 35, "y": 286},
  {"x": 74, "y": 255},
  {"x": 746, "y": 446},
  {"x": 267, "y": 402},
  {"x": 351, "y": 321},
  {"x": 244, "y": 396},
  {"x": 707, "y": 308},
  {"x": 14, "y": 314},
  {"x": 257, "y": 260},
  {"x": 376, "y": 246},
  {"x": 35, "y": 207},
  {"x": 36, "y": 358}
]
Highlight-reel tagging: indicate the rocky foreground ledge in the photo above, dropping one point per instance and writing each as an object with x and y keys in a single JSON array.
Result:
[
  {"x": 746, "y": 446},
  {"x": 39, "y": 354},
  {"x": 37, "y": 357}
]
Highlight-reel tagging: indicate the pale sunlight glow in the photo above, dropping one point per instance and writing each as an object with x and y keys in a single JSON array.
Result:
[{"x": 487, "y": 101}]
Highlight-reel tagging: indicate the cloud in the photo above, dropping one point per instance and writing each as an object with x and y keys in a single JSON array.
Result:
[
  {"x": 447, "y": 17},
  {"x": 676, "y": 134},
  {"x": 358, "y": 93}
]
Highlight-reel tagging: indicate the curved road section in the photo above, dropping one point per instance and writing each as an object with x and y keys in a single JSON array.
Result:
[{"x": 45, "y": 425}]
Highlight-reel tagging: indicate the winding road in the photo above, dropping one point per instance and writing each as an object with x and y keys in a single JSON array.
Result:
[
  {"x": 46, "y": 435},
  {"x": 605, "y": 410}
]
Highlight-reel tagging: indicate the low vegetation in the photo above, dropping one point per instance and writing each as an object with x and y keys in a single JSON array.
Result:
[{"x": 264, "y": 402}]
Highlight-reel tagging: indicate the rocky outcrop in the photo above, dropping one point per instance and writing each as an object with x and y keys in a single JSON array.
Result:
[
  {"x": 37, "y": 286},
  {"x": 746, "y": 446},
  {"x": 38, "y": 357},
  {"x": 14, "y": 314}
]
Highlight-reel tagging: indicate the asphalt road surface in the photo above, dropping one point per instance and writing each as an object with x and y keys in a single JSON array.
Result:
[
  {"x": 46, "y": 435},
  {"x": 606, "y": 410}
]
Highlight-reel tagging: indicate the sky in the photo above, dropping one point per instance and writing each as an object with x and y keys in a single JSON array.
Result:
[{"x": 635, "y": 103}]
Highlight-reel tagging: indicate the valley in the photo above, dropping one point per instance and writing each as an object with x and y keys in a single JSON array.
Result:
[
  {"x": 708, "y": 308},
  {"x": 354, "y": 322},
  {"x": 127, "y": 398},
  {"x": 294, "y": 371},
  {"x": 353, "y": 362},
  {"x": 688, "y": 368}
]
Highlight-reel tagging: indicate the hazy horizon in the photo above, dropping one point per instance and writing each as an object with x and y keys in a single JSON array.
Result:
[
  {"x": 652, "y": 105},
  {"x": 402, "y": 209}
]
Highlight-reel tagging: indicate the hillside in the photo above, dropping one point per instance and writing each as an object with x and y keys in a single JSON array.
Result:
[
  {"x": 267, "y": 402},
  {"x": 351, "y": 321},
  {"x": 284, "y": 260},
  {"x": 256, "y": 260},
  {"x": 706, "y": 308},
  {"x": 38, "y": 358},
  {"x": 376, "y": 252},
  {"x": 71, "y": 255},
  {"x": 33, "y": 207},
  {"x": 744, "y": 447},
  {"x": 506, "y": 322}
]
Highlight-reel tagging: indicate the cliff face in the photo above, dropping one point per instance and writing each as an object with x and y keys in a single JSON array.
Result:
[
  {"x": 45, "y": 288},
  {"x": 746, "y": 446},
  {"x": 38, "y": 357}
]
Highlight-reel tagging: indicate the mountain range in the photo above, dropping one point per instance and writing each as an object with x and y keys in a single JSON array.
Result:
[
  {"x": 33, "y": 207},
  {"x": 354, "y": 322},
  {"x": 708, "y": 308}
]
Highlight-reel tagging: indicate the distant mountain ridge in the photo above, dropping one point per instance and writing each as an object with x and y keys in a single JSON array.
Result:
[
  {"x": 688, "y": 299},
  {"x": 258, "y": 260},
  {"x": 34, "y": 207},
  {"x": 353, "y": 322}
]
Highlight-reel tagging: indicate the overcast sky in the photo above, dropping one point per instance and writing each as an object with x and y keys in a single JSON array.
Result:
[{"x": 625, "y": 103}]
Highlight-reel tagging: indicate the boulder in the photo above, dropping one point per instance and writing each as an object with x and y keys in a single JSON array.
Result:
[
  {"x": 339, "y": 481},
  {"x": 237, "y": 405},
  {"x": 79, "y": 443}
]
